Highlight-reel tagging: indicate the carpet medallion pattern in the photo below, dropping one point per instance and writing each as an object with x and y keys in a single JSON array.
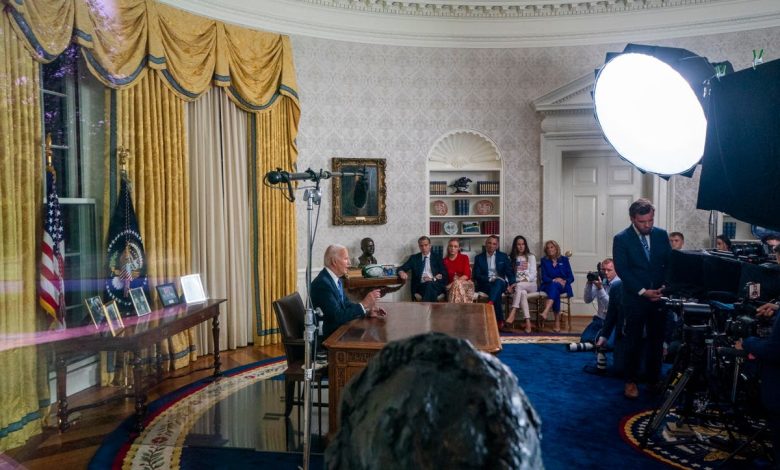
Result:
[{"x": 693, "y": 447}]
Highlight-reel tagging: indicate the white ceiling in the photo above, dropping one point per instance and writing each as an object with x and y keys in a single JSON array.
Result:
[{"x": 492, "y": 23}]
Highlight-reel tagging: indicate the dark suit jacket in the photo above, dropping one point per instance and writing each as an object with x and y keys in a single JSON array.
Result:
[
  {"x": 504, "y": 269},
  {"x": 767, "y": 351},
  {"x": 414, "y": 268},
  {"x": 614, "y": 319},
  {"x": 325, "y": 295},
  {"x": 632, "y": 265}
]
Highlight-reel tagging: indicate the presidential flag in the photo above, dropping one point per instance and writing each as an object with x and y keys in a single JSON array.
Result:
[
  {"x": 51, "y": 294},
  {"x": 125, "y": 251}
]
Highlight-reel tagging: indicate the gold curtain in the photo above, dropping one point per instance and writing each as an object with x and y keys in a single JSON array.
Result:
[
  {"x": 123, "y": 38},
  {"x": 23, "y": 386},
  {"x": 273, "y": 217},
  {"x": 150, "y": 123}
]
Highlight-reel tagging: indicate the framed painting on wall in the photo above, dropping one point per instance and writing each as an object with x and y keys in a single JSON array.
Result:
[{"x": 359, "y": 195}]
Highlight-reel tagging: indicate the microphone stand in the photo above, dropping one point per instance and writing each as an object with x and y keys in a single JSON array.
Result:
[{"x": 313, "y": 197}]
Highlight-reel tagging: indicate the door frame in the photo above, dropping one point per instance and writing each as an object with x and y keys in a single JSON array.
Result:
[{"x": 569, "y": 126}]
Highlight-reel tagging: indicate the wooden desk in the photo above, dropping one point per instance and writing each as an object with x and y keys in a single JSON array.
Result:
[
  {"x": 355, "y": 343},
  {"x": 139, "y": 333}
]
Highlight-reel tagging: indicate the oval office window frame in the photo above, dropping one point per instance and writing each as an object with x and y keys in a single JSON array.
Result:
[{"x": 344, "y": 211}]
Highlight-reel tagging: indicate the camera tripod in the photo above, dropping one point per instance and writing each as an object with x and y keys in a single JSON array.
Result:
[{"x": 710, "y": 394}]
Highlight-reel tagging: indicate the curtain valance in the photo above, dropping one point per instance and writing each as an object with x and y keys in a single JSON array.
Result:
[{"x": 122, "y": 39}]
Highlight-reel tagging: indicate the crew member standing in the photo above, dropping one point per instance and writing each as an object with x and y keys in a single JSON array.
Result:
[{"x": 641, "y": 253}]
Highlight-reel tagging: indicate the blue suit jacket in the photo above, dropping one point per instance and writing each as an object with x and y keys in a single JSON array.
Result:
[
  {"x": 767, "y": 351},
  {"x": 633, "y": 267},
  {"x": 562, "y": 269},
  {"x": 504, "y": 269},
  {"x": 414, "y": 267},
  {"x": 325, "y": 295}
]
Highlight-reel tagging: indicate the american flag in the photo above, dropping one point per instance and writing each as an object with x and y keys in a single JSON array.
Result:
[{"x": 52, "y": 288}]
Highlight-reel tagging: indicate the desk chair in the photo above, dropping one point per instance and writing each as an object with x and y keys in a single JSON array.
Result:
[{"x": 290, "y": 313}]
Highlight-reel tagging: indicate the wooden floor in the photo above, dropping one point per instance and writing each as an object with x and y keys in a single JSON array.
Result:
[{"x": 75, "y": 448}]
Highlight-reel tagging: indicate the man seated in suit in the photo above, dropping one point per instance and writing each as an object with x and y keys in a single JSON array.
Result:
[
  {"x": 494, "y": 274},
  {"x": 429, "y": 277},
  {"x": 641, "y": 253},
  {"x": 327, "y": 293}
]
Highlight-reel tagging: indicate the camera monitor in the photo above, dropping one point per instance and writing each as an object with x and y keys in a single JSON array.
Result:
[
  {"x": 767, "y": 277},
  {"x": 696, "y": 273}
]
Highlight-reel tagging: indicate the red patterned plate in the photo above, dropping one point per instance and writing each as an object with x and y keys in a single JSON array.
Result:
[
  {"x": 484, "y": 207},
  {"x": 439, "y": 208}
]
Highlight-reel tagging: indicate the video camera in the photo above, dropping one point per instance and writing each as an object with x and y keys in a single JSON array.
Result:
[{"x": 593, "y": 276}]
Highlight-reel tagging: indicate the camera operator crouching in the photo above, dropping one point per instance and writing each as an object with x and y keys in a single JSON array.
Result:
[
  {"x": 767, "y": 352},
  {"x": 597, "y": 288}
]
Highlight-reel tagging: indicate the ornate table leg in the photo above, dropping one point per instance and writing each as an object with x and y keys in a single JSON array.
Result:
[
  {"x": 62, "y": 395},
  {"x": 158, "y": 362},
  {"x": 215, "y": 333},
  {"x": 138, "y": 390}
]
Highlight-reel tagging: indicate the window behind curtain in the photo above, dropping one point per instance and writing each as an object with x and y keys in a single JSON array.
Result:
[{"x": 73, "y": 114}]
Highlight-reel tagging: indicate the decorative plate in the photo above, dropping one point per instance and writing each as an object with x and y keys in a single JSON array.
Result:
[
  {"x": 450, "y": 228},
  {"x": 373, "y": 270},
  {"x": 484, "y": 207},
  {"x": 439, "y": 208}
]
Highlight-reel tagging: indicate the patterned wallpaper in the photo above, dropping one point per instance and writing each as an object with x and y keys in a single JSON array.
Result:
[{"x": 373, "y": 101}]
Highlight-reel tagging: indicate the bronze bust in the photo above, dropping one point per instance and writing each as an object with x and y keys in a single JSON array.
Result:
[{"x": 367, "y": 247}]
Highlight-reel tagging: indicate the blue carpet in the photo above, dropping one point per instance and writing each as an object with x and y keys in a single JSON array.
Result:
[{"x": 580, "y": 412}]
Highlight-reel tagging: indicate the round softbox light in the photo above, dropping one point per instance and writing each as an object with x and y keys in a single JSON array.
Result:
[{"x": 650, "y": 114}]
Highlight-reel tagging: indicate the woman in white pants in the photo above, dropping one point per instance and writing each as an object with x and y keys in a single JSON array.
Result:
[{"x": 525, "y": 269}]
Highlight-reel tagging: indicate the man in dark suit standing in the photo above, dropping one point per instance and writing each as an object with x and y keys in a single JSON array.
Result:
[
  {"x": 327, "y": 293},
  {"x": 429, "y": 278},
  {"x": 494, "y": 274},
  {"x": 641, "y": 253}
]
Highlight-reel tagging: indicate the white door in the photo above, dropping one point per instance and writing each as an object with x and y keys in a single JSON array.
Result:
[{"x": 596, "y": 194}]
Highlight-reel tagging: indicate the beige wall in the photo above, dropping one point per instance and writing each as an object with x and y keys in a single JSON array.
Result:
[{"x": 391, "y": 102}]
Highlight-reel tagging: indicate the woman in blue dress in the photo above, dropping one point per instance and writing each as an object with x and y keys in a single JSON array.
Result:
[{"x": 557, "y": 278}]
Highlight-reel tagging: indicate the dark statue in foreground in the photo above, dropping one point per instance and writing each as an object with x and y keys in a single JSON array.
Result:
[{"x": 433, "y": 401}]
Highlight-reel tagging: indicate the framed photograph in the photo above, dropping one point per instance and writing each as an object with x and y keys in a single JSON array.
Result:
[
  {"x": 140, "y": 304},
  {"x": 359, "y": 199},
  {"x": 192, "y": 289},
  {"x": 168, "y": 294},
  {"x": 469, "y": 227},
  {"x": 95, "y": 309},
  {"x": 113, "y": 317},
  {"x": 465, "y": 245}
]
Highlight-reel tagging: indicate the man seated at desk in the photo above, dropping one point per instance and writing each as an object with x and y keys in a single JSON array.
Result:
[
  {"x": 429, "y": 277},
  {"x": 327, "y": 293}
]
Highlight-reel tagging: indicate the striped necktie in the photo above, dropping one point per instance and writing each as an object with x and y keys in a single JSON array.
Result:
[
  {"x": 341, "y": 290},
  {"x": 645, "y": 245}
]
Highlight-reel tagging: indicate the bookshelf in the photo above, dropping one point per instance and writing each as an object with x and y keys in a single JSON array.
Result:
[{"x": 470, "y": 216}]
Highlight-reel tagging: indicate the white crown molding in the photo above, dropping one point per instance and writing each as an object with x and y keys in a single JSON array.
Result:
[{"x": 492, "y": 23}]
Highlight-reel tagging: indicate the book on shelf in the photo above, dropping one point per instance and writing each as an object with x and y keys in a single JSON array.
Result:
[
  {"x": 438, "y": 188},
  {"x": 488, "y": 187},
  {"x": 489, "y": 227},
  {"x": 435, "y": 227},
  {"x": 437, "y": 250},
  {"x": 461, "y": 206}
]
